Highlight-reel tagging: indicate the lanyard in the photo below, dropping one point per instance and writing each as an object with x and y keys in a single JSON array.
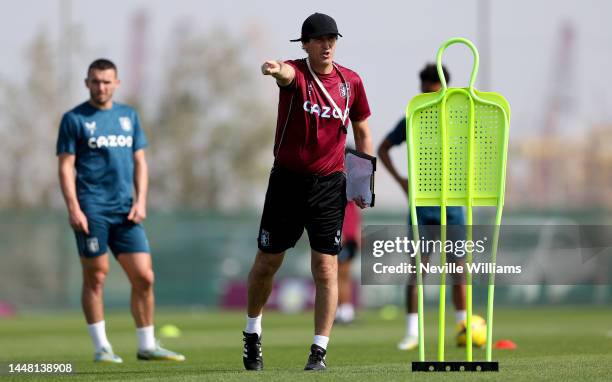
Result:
[{"x": 342, "y": 115}]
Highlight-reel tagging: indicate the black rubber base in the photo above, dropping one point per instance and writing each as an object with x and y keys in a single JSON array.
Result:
[{"x": 455, "y": 366}]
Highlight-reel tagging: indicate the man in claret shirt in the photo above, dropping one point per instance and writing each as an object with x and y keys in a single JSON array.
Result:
[{"x": 307, "y": 186}]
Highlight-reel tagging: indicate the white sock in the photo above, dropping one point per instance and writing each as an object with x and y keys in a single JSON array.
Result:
[
  {"x": 146, "y": 338},
  {"x": 460, "y": 315},
  {"x": 346, "y": 312},
  {"x": 321, "y": 341},
  {"x": 97, "y": 332},
  {"x": 412, "y": 325},
  {"x": 253, "y": 325}
]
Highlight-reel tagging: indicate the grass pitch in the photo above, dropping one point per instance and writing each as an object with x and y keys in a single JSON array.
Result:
[{"x": 554, "y": 344}]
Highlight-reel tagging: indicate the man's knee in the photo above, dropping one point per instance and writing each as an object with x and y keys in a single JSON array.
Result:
[
  {"x": 325, "y": 270},
  {"x": 266, "y": 264},
  {"x": 94, "y": 279},
  {"x": 143, "y": 281}
]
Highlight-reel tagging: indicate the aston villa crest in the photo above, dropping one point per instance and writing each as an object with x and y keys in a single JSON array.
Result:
[
  {"x": 92, "y": 245},
  {"x": 91, "y": 127},
  {"x": 126, "y": 124},
  {"x": 345, "y": 88}
]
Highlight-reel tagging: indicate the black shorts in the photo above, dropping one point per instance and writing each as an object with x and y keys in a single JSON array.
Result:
[{"x": 294, "y": 202}]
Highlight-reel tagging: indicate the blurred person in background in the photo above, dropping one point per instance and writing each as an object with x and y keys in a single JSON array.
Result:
[
  {"x": 351, "y": 239},
  {"x": 101, "y": 162},
  {"x": 426, "y": 216}
]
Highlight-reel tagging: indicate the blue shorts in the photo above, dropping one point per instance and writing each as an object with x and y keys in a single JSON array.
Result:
[
  {"x": 112, "y": 230},
  {"x": 431, "y": 216},
  {"x": 429, "y": 222}
]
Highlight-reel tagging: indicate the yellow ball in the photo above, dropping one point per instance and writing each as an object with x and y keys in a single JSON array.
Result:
[
  {"x": 479, "y": 332},
  {"x": 389, "y": 312},
  {"x": 170, "y": 331}
]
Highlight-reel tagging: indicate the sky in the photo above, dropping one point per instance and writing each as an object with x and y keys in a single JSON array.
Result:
[{"x": 386, "y": 42}]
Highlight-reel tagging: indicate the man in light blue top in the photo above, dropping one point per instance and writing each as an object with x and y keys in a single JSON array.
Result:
[{"x": 103, "y": 141}]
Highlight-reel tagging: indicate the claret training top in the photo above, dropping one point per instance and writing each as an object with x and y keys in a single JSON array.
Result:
[{"x": 310, "y": 137}]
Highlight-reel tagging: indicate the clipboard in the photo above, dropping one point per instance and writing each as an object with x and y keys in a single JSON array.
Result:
[{"x": 360, "y": 168}]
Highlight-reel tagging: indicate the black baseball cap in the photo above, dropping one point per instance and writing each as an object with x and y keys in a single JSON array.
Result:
[{"x": 317, "y": 25}]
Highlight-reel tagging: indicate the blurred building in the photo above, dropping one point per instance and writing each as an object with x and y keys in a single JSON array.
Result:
[{"x": 562, "y": 171}]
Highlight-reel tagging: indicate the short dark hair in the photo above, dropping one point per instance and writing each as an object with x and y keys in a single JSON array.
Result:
[
  {"x": 430, "y": 74},
  {"x": 101, "y": 64}
]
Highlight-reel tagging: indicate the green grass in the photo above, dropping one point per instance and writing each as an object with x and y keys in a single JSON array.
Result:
[{"x": 554, "y": 344}]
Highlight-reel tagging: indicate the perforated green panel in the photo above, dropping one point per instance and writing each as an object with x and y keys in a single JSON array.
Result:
[
  {"x": 489, "y": 141},
  {"x": 428, "y": 148},
  {"x": 457, "y": 132},
  {"x": 429, "y": 160}
]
